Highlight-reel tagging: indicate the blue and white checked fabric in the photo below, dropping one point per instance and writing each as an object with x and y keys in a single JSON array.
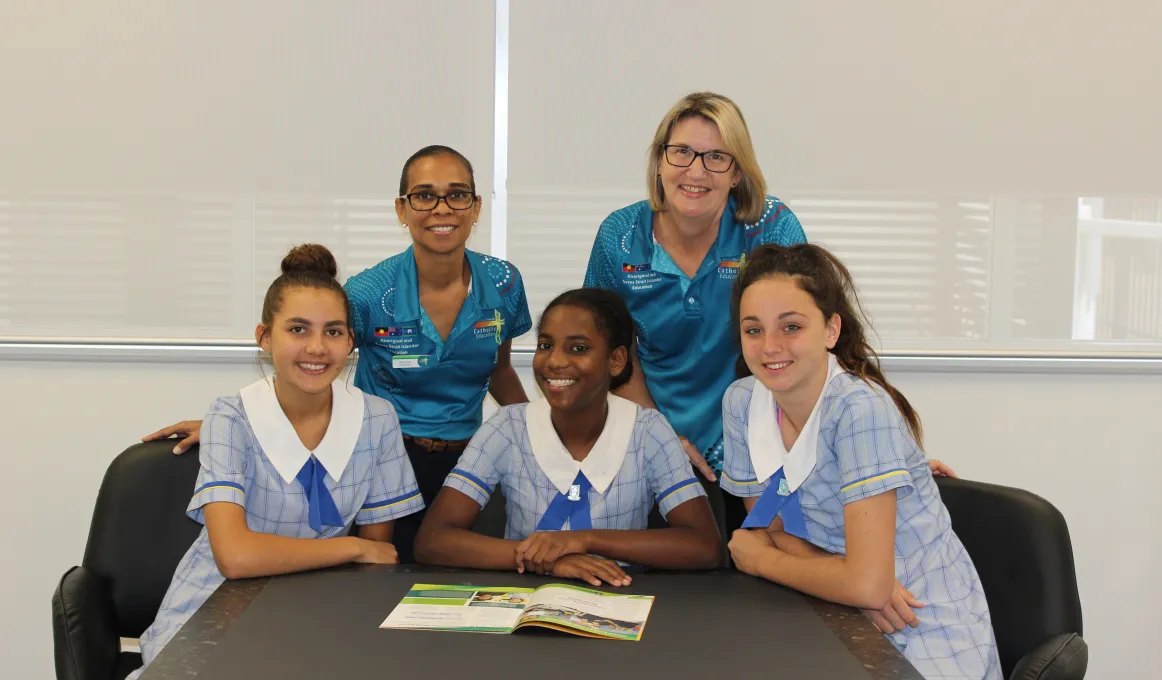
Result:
[
  {"x": 865, "y": 448},
  {"x": 376, "y": 486},
  {"x": 655, "y": 468}
]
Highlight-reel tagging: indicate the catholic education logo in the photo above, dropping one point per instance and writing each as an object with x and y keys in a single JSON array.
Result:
[
  {"x": 728, "y": 268},
  {"x": 487, "y": 327}
]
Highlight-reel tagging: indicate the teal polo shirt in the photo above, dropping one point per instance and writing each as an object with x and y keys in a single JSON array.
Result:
[
  {"x": 437, "y": 386},
  {"x": 686, "y": 344}
]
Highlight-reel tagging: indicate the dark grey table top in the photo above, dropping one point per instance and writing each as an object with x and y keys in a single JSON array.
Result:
[{"x": 204, "y": 641}]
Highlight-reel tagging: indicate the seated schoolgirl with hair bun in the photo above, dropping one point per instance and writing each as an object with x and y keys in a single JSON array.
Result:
[{"x": 290, "y": 462}]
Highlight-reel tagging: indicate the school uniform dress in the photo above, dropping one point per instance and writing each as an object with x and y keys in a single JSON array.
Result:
[
  {"x": 855, "y": 445},
  {"x": 686, "y": 344},
  {"x": 636, "y": 461},
  {"x": 437, "y": 386},
  {"x": 251, "y": 456}
]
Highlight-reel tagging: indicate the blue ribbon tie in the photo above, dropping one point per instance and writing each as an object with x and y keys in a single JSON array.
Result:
[
  {"x": 777, "y": 501},
  {"x": 572, "y": 506},
  {"x": 321, "y": 507}
]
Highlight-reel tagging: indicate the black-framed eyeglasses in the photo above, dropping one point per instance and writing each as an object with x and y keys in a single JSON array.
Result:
[
  {"x": 683, "y": 157},
  {"x": 427, "y": 200}
]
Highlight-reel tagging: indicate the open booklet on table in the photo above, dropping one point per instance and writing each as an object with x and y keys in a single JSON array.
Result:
[{"x": 488, "y": 609}]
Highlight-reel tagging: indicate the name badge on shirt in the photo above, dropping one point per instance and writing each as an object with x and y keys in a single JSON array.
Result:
[
  {"x": 639, "y": 276},
  {"x": 403, "y": 339},
  {"x": 409, "y": 361}
]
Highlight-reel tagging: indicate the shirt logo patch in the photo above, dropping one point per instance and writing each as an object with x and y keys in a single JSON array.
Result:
[
  {"x": 729, "y": 267},
  {"x": 486, "y": 327},
  {"x": 394, "y": 332},
  {"x": 639, "y": 276}
]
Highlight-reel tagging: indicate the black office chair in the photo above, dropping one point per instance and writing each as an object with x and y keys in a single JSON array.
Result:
[
  {"x": 138, "y": 535},
  {"x": 1020, "y": 545}
]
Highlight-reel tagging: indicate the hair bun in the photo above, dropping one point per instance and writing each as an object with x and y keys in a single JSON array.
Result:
[{"x": 310, "y": 257}]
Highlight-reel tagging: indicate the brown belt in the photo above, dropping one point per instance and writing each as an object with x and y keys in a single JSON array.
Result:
[{"x": 438, "y": 445}]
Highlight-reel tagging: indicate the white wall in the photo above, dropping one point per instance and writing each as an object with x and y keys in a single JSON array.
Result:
[{"x": 1089, "y": 443}]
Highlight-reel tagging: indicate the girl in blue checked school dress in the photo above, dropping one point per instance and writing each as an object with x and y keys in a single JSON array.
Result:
[
  {"x": 580, "y": 469},
  {"x": 290, "y": 463},
  {"x": 827, "y": 458}
]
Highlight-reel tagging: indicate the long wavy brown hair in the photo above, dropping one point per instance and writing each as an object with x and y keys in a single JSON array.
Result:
[{"x": 822, "y": 276}]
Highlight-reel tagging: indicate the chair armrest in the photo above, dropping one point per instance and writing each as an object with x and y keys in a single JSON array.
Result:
[
  {"x": 84, "y": 627},
  {"x": 1061, "y": 657}
]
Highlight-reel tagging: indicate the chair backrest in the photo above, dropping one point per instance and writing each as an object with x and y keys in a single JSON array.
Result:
[
  {"x": 140, "y": 530},
  {"x": 1020, "y": 545}
]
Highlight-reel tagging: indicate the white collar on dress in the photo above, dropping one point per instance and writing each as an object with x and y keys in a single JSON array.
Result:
[
  {"x": 604, "y": 460},
  {"x": 765, "y": 441},
  {"x": 279, "y": 441}
]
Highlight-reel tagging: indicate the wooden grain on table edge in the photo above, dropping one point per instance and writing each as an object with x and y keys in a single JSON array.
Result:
[{"x": 867, "y": 644}]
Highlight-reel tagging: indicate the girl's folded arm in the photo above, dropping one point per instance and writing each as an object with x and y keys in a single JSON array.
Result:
[
  {"x": 446, "y": 537},
  {"x": 863, "y": 577},
  {"x": 242, "y": 553},
  {"x": 784, "y": 541}
]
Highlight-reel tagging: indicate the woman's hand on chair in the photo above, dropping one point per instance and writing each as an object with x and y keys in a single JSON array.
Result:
[
  {"x": 940, "y": 469},
  {"x": 189, "y": 430}
]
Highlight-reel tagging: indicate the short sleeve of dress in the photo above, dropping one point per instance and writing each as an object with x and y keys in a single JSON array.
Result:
[
  {"x": 224, "y": 454},
  {"x": 871, "y": 445},
  {"x": 478, "y": 471}
]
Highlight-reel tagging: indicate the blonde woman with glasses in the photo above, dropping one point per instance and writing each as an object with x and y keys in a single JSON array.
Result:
[{"x": 674, "y": 259}]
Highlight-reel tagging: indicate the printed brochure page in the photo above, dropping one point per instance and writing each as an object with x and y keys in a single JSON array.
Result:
[{"x": 486, "y": 609}]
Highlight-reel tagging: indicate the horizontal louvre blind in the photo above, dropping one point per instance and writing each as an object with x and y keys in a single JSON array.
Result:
[
  {"x": 989, "y": 172},
  {"x": 157, "y": 160}
]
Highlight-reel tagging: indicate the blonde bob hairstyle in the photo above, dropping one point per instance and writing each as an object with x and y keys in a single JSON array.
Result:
[{"x": 751, "y": 192}]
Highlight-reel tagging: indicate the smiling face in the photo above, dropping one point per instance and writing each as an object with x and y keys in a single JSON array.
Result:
[
  {"x": 785, "y": 339},
  {"x": 694, "y": 191},
  {"x": 573, "y": 363},
  {"x": 442, "y": 229},
  {"x": 308, "y": 339}
]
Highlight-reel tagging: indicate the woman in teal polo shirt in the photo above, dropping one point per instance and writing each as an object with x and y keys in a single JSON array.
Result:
[
  {"x": 674, "y": 259},
  {"x": 434, "y": 326}
]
